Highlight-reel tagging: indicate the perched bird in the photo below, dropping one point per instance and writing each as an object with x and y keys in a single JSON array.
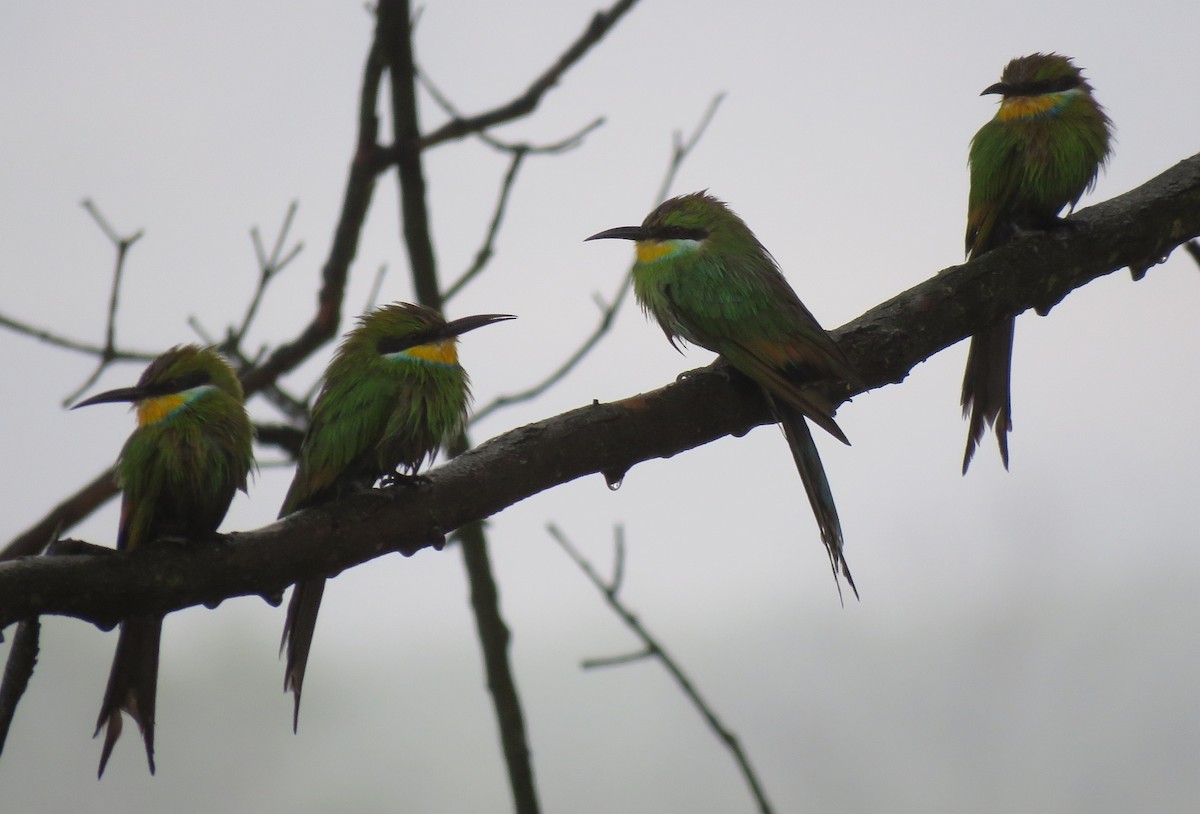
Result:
[
  {"x": 393, "y": 394},
  {"x": 1041, "y": 152},
  {"x": 703, "y": 275},
  {"x": 179, "y": 470}
]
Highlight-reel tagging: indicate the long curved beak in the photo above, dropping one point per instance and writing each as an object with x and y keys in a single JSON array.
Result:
[
  {"x": 999, "y": 87},
  {"x": 459, "y": 327},
  {"x": 621, "y": 232},
  {"x": 127, "y": 394}
]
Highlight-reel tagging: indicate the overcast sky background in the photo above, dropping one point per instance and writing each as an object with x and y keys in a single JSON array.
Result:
[{"x": 1025, "y": 641}]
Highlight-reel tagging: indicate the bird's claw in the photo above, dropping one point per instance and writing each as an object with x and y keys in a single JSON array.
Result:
[{"x": 400, "y": 480}]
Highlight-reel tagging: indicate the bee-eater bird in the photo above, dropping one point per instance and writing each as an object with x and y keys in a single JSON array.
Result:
[
  {"x": 706, "y": 279},
  {"x": 179, "y": 470},
  {"x": 392, "y": 396},
  {"x": 1041, "y": 152}
]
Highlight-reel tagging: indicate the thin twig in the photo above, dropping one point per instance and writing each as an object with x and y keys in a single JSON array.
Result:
[
  {"x": 485, "y": 251},
  {"x": 109, "y": 352},
  {"x": 653, "y": 648},
  {"x": 66, "y": 343},
  {"x": 608, "y": 311},
  {"x": 518, "y": 153},
  {"x": 597, "y": 28},
  {"x": 268, "y": 267},
  {"x": 569, "y": 143},
  {"x": 616, "y": 661},
  {"x": 376, "y": 287}
]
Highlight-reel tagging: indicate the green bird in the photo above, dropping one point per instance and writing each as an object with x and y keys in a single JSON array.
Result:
[
  {"x": 1041, "y": 152},
  {"x": 179, "y": 470},
  {"x": 392, "y": 396},
  {"x": 706, "y": 279}
]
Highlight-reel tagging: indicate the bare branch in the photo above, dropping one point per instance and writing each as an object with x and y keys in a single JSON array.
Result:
[
  {"x": 268, "y": 267},
  {"x": 108, "y": 352},
  {"x": 485, "y": 251},
  {"x": 569, "y": 143},
  {"x": 654, "y": 649},
  {"x": 883, "y": 345},
  {"x": 617, "y": 661},
  {"x": 376, "y": 287},
  {"x": 599, "y": 26},
  {"x": 66, "y": 343},
  {"x": 123, "y": 247},
  {"x": 494, "y": 638}
]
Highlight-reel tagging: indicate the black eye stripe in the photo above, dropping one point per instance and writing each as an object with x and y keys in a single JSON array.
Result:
[
  {"x": 179, "y": 383},
  {"x": 679, "y": 233},
  {"x": 395, "y": 344},
  {"x": 1044, "y": 86}
]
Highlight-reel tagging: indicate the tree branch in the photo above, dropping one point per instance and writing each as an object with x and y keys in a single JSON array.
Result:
[
  {"x": 524, "y": 104},
  {"x": 655, "y": 650},
  {"x": 883, "y": 344},
  {"x": 493, "y": 633}
]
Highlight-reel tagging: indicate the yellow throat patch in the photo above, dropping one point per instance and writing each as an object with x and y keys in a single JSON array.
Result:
[
  {"x": 1028, "y": 107},
  {"x": 649, "y": 251},
  {"x": 151, "y": 411},
  {"x": 442, "y": 352}
]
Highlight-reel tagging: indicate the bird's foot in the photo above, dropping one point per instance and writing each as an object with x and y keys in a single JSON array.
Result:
[{"x": 393, "y": 481}]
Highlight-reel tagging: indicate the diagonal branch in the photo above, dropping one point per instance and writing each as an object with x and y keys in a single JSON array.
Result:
[
  {"x": 524, "y": 104},
  {"x": 485, "y": 251},
  {"x": 884, "y": 344},
  {"x": 655, "y": 650}
]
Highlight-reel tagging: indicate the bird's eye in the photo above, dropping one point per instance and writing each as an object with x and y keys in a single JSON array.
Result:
[
  {"x": 1058, "y": 85},
  {"x": 178, "y": 384},
  {"x": 682, "y": 233},
  {"x": 396, "y": 344}
]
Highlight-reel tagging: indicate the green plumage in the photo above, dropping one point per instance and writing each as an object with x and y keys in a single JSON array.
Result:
[
  {"x": 1040, "y": 153},
  {"x": 706, "y": 279},
  {"x": 392, "y": 396},
  {"x": 178, "y": 471}
]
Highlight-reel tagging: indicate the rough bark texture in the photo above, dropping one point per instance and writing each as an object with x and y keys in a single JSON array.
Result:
[{"x": 1136, "y": 230}]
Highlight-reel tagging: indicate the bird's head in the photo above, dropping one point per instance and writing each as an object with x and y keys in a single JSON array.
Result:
[
  {"x": 1037, "y": 80},
  {"x": 402, "y": 330},
  {"x": 682, "y": 226},
  {"x": 173, "y": 380}
]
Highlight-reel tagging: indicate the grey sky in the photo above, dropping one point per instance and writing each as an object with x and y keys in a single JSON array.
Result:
[{"x": 1025, "y": 641}]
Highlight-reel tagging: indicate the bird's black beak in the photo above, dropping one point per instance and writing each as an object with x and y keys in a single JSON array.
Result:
[
  {"x": 621, "y": 232},
  {"x": 999, "y": 88},
  {"x": 127, "y": 394},
  {"x": 459, "y": 327}
]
